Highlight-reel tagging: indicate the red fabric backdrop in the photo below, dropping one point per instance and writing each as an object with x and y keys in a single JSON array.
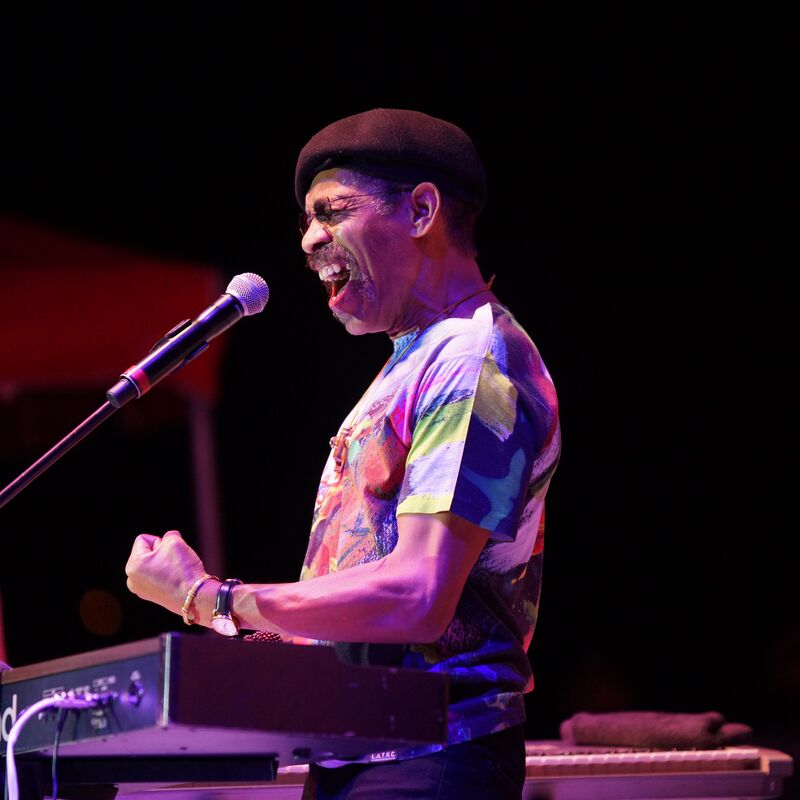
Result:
[{"x": 76, "y": 313}]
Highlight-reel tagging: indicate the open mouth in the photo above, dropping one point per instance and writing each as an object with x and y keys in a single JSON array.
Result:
[{"x": 334, "y": 277}]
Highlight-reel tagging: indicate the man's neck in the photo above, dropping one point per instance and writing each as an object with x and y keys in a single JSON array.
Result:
[{"x": 454, "y": 289}]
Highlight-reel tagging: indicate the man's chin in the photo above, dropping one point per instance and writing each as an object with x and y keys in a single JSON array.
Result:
[{"x": 353, "y": 325}]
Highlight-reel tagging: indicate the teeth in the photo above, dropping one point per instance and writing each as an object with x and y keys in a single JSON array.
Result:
[{"x": 326, "y": 273}]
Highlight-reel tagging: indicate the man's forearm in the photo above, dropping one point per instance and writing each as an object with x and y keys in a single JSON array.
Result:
[
  {"x": 409, "y": 595},
  {"x": 369, "y": 602}
]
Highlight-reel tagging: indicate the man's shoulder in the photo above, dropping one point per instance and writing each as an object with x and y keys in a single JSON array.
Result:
[
  {"x": 488, "y": 348},
  {"x": 491, "y": 332},
  {"x": 475, "y": 334}
]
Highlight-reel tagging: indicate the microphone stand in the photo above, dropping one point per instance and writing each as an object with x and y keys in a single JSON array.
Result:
[
  {"x": 122, "y": 392},
  {"x": 246, "y": 294},
  {"x": 54, "y": 453}
]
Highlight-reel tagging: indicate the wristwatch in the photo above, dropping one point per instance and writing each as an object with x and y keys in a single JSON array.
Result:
[{"x": 222, "y": 620}]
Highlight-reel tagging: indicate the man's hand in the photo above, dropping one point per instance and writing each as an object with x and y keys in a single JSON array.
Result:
[{"x": 163, "y": 569}]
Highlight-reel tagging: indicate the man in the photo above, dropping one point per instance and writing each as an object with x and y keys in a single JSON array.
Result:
[{"x": 426, "y": 543}]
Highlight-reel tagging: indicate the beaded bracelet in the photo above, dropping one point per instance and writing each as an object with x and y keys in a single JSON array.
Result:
[{"x": 190, "y": 595}]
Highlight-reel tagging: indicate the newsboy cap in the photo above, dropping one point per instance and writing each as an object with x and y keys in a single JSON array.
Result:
[{"x": 396, "y": 144}]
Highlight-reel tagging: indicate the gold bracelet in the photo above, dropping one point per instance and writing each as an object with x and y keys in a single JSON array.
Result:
[{"x": 190, "y": 595}]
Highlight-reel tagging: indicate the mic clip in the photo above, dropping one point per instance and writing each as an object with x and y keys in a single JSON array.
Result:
[{"x": 170, "y": 334}]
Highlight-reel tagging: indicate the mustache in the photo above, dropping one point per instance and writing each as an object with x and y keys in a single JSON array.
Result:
[{"x": 331, "y": 253}]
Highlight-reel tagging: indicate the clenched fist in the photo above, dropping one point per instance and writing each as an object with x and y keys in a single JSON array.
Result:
[{"x": 162, "y": 569}]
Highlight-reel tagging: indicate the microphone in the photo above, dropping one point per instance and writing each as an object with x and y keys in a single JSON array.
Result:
[{"x": 246, "y": 294}]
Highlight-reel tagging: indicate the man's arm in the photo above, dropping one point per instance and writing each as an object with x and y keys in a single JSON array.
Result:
[{"x": 408, "y": 596}]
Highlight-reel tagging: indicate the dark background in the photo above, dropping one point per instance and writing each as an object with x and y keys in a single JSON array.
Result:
[{"x": 634, "y": 161}]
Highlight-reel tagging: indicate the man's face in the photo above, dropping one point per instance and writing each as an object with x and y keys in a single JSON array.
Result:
[{"x": 362, "y": 256}]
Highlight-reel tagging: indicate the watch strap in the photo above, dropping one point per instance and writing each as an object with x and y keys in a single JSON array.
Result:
[{"x": 223, "y": 604}]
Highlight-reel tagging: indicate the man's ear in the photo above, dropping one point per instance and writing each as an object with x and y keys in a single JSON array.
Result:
[{"x": 424, "y": 207}]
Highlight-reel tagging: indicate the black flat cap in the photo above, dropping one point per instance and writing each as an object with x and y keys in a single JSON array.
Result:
[{"x": 396, "y": 144}]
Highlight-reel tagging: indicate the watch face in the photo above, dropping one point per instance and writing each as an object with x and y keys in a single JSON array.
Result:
[{"x": 225, "y": 625}]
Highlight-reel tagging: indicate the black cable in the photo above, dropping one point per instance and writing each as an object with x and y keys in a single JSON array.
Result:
[{"x": 62, "y": 718}]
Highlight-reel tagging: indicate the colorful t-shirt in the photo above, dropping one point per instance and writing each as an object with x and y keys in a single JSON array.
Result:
[{"x": 462, "y": 418}]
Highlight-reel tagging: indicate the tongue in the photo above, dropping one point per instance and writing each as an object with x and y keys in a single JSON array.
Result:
[{"x": 338, "y": 284}]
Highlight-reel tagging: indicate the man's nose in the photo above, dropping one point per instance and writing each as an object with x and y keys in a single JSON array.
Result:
[{"x": 315, "y": 237}]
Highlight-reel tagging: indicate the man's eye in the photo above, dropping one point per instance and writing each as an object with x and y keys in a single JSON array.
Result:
[
  {"x": 331, "y": 216},
  {"x": 325, "y": 214}
]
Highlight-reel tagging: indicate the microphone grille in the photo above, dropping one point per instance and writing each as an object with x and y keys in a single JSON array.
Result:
[{"x": 251, "y": 291}]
